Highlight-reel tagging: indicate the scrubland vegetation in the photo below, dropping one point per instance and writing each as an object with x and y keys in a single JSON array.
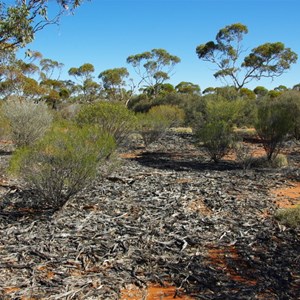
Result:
[
  {"x": 66, "y": 137},
  {"x": 65, "y": 130}
]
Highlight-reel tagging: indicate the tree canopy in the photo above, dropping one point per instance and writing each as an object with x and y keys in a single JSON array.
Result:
[
  {"x": 268, "y": 60},
  {"x": 154, "y": 67},
  {"x": 21, "y": 20}
]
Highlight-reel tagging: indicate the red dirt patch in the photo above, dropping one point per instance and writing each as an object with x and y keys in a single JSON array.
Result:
[
  {"x": 219, "y": 257},
  {"x": 255, "y": 152},
  {"x": 199, "y": 206},
  {"x": 131, "y": 155},
  {"x": 287, "y": 197},
  {"x": 154, "y": 292}
]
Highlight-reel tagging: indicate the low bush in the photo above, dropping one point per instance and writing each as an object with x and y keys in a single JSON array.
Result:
[
  {"x": 151, "y": 127},
  {"x": 292, "y": 100},
  {"x": 217, "y": 138},
  {"x": 289, "y": 216},
  {"x": 28, "y": 120},
  {"x": 173, "y": 115},
  {"x": 154, "y": 124},
  {"x": 214, "y": 129},
  {"x": 221, "y": 109},
  {"x": 280, "y": 161},
  {"x": 62, "y": 163},
  {"x": 273, "y": 124},
  {"x": 113, "y": 118}
]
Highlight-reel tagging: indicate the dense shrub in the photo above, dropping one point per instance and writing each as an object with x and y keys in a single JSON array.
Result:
[
  {"x": 214, "y": 129},
  {"x": 217, "y": 138},
  {"x": 225, "y": 110},
  {"x": 247, "y": 113},
  {"x": 292, "y": 100},
  {"x": 62, "y": 163},
  {"x": 172, "y": 114},
  {"x": 154, "y": 124},
  {"x": 273, "y": 124},
  {"x": 140, "y": 104},
  {"x": 113, "y": 118},
  {"x": 28, "y": 120}
]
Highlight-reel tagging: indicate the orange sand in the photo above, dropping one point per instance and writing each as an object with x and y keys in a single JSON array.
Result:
[
  {"x": 287, "y": 197},
  {"x": 154, "y": 292}
]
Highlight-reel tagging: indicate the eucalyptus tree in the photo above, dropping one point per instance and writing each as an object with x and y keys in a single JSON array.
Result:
[
  {"x": 188, "y": 88},
  {"x": 21, "y": 19},
  {"x": 268, "y": 60},
  {"x": 49, "y": 67},
  {"x": 153, "y": 67},
  {"x": 296, "y": 87},
  {"x": 15, "y": 75},
  {"x": 281, "y": 88},
  {"x": 260, "y": 91},
  {"x": 84, "y": 75},
  {"x": 114, "y": 84}
]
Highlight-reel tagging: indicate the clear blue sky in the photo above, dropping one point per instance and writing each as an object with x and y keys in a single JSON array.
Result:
[{"x": 106, "y": 32}]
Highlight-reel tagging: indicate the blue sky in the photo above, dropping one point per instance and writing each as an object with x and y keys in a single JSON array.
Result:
[{"x": 106, "y": 32}]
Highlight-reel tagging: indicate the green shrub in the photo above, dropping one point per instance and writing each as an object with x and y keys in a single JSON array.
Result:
[
  {"x": 62, "y": 163},
  {"x": 247, "y": 113},
  {"x": 173, "y": 115},
  {"x": 289, "y": 216},
  {"x": 292, "y": 100},
  {"x": 221, "y": 109},
  {"x": 154, "y": 124},
  {"x": 151, "y": 127},
  {"x": 140, "y": 103},
  {"x": 273, "y": 124},
  {"x": 113, "y": 118},
  {"x": 280, "y": 161},
  {"x": 217, "y": 138},
  {"x": 214, "y": 129},
  {"x": 28, "y": 120}
]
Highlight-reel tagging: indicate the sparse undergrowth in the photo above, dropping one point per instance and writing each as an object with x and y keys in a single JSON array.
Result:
[
  {"x": 62, "y": 163},
  {"x": 162, "y": 217},
  {"x": 289, "y": 216}
]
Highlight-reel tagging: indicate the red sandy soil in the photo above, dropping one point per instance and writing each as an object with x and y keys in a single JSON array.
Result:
[
  {"x": 289, "y": 196},
  {"x": 284, "y": 197},
  {"x": 217, "y": 257},
  {"x": 154, "y": 292}
]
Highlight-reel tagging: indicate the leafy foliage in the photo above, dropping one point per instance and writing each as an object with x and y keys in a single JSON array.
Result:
[
  {"x": 188, "y": 88},
  {"x": 114, "y": 83},
  {"x": 155, "y": 123},
  {"x": 153, "y": 67},
  {"x": 260, "y": 91},
  {"x": 267, "y": 60},
  {"x": 113, "y": 118},
  {"x": 62, "y": 163},
  {"x": 292, "y": 100},
  {"x": 21, "y": 20},
  {"x": 214, "y": 125},
  {"x": 273, "y": 124},
  {"x": 217, "y": 138}
]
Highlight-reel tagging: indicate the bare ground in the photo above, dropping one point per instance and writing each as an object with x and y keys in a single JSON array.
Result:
[{"x": 166, "y": 217}]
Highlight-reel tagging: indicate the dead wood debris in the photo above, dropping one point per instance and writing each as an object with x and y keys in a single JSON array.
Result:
[{"x": 137, "y": 227}]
